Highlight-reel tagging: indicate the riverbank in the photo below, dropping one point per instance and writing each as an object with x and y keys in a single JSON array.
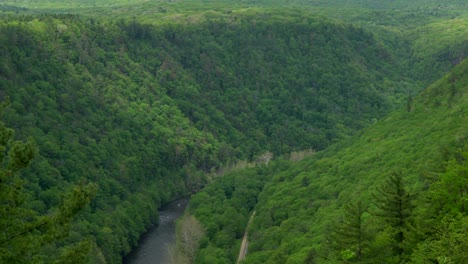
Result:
[{"x": 154, "y": 246}]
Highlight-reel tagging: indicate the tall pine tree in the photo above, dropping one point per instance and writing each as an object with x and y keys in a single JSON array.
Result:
[
  {"x": 349, "y": 235},
  {"x": 393, "y": 206}
]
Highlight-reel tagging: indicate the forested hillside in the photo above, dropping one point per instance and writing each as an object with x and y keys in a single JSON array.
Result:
[
  {"x": 125, "y": 105},
  {"x": 133, "y": 107},
  {"x": 394, "y": 193},
  {"x": 398, "y": 187}
]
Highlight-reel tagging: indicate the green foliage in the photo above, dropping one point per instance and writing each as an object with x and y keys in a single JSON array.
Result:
[
  {"x": 223, "y": 208},
  {"x": 448, "y": 192},
  {"x": 447, "y": 243},
  {"x": 350, "y": 235},
  {"x": 25, "y": 234},
  {"x": 445, "y": 221},
  {"x": 109, "y": 123},
  {"x": 257, "y": 91},
  {"x": 293, "y": 216},
  {"x": 145, "y": 97},
  {"x": 393, "y": 204}
]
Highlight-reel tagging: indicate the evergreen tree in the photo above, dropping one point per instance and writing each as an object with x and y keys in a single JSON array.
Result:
[
  {"x": 393, "y": 206},
  {"x": 350, "y": 236}
]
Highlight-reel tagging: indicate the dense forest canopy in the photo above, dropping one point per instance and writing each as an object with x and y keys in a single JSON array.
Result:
[
  {"x": 124, "y": 105},
  {"x": 392, "y": 193},
  {"x": 387, "y": 168}
]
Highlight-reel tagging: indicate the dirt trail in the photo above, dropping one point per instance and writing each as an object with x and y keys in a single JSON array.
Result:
[{"x": 245, "y": 241}]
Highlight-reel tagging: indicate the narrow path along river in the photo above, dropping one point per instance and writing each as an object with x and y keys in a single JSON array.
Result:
[
  {"x": 154, "y": 245},
  {"x": 245, "y": 241}
]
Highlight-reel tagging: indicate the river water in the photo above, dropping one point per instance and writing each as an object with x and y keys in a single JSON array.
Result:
[{"x": 153, "y": 247}]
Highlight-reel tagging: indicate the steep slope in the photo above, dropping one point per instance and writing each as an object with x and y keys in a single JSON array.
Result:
[
  {"x": 270, "y": 81},
  {"x": 96, "y": 116},
  {"x": 296, "y": 208},
  {"x": 328, "y": 208}
]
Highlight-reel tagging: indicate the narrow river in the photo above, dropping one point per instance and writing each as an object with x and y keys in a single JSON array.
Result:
[{"x": 154, "y": 245}]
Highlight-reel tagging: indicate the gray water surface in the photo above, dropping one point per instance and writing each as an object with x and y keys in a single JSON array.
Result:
[{"x": 153, "y": 246}]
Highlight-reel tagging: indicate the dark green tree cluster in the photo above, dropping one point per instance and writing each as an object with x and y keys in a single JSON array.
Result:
[
  {"x": 398, "y": 233},
  {"x": 94, "y": 113},
  {"x": 349, "y": 235},
  {"x": 378, "y": 234},
  {"x": 26, "y": 236},
  {"x": 269, "y": 81}
]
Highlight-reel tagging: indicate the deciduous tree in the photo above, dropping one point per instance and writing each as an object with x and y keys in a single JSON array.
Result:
[{"x": 189, "y": 234}]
